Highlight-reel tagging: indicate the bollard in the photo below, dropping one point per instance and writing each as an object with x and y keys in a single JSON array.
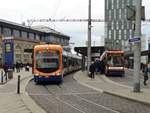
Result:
[
  {"x": 6, "y": 76},
  {"x": 1, "y": 76},
  {"x": 18, "y": 85}
]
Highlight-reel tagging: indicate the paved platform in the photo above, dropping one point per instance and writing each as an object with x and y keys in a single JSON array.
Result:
[
  {"x": 103, "y": 84},
  {"x": 11, "y": 102}
]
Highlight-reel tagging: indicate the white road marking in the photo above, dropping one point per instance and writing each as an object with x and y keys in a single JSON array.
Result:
[{"x": 86, "y": 93}]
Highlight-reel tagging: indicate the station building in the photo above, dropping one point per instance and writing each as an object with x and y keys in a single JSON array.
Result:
[{"x": 26, "y": 37}]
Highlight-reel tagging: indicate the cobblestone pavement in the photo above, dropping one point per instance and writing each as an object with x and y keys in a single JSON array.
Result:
[
  {"x": 71, "y": 97},
  {"x": 128, "y": 79}
]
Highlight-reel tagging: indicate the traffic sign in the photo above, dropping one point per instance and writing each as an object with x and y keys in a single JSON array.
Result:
[{"x": 134, "y": 40}]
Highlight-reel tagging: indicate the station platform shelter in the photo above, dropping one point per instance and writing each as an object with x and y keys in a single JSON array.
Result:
[{"x": 96, "y": 52}]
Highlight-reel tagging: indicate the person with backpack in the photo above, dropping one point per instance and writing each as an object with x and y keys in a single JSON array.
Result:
[{"x": 92, "y": 70}]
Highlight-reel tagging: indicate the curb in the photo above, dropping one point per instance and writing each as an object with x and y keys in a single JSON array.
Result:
[
  {"x": 110, "y": 81},
  {"x": 128, "y": 98},
  {"x": 34, "y": 107},
  {"x": 99, "y": 90},
  {"x": 123, "y": 96},
  {"x": 113, "y": 93}
]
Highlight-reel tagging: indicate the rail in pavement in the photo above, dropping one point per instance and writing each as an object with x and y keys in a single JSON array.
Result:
[{"x": 103, "y": 84}]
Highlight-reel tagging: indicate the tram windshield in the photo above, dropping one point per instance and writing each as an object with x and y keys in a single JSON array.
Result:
[
  {"x": 116, "y": 60},
  {"x": 47, "y": 61}
]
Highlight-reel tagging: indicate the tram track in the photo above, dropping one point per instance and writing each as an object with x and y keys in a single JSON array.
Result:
[
  {"x": 71, "y": 97},
  {"x": 57, "y": 96}
]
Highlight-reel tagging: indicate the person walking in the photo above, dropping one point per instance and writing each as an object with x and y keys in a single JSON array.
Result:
[
  {"x": 148, "y": 66},
  {"x": 145, "y": 74},
  {"x": 92, "y": 70}
]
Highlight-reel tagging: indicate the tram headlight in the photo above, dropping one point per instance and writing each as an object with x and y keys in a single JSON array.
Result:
[
  {"x": 58, "y": 73},
  {"x": 36, "y": 74}
]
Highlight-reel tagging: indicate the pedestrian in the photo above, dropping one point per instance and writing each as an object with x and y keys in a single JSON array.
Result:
[
  {"x": 148, "y": 66},
  {"x": 5, "y": 68},
  {"x": 145, "y": 74},
  {"x": 92, "y": 70},
  {"x": 17, "y": 67},
  {"x": 27, "y": 67},
  {"x": 102, "y": 66}
]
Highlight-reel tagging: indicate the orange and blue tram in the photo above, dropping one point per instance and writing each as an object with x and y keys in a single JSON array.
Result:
[{"x": 51, "y": 63}]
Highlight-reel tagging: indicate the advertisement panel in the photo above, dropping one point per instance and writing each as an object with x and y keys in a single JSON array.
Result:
[{"x": 8, "y": 52}]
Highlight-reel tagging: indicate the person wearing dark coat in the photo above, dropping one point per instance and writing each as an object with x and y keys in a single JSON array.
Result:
[
  {"x": 145, "y": 74},
  {"x": 5, "y": 67},
  {"x": 92, "y": 70}
]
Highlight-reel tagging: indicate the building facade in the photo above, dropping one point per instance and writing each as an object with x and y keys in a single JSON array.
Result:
[
  {"x": 25, "y": 38},
  {"x": 118, "y": 29}
]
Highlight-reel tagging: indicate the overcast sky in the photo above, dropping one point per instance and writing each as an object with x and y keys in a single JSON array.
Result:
[{"x": 21, "y": 10}]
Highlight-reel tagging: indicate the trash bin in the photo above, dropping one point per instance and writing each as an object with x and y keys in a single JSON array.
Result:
[{"x": 10, "y": 73}]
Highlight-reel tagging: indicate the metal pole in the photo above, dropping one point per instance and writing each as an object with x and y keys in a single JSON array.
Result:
[
  {"x": 89, "y": 37},
  {"x": 137, "y": 48}
]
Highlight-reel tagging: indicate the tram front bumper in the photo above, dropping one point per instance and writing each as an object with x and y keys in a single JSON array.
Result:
[{"x": 47, "y": 79}]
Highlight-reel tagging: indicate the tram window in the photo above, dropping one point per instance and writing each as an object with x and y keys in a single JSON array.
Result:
[{"x": 65, "y": 61}]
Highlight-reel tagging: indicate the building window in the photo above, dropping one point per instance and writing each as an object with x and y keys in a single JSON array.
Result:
[
  {"x": 127, "y": 25},
  {"x": 31, "y": 36},
  {"x": 130, "y": 31},
  {"x": 122, "y": 26},
  {"x": 110, "y": 15},
  {"x": 119, "y": 13},
  {"x": 114, "y": 34},
  {"x": 16, "y": 33},
  {"x": 117, "y": 25},
  {"x": 37, "y": 37},
  {"x": 125, "y": 13},
  {"x": 0, "y": 30},
  {"x": 112, "y": 25},
  {"x": 18, "y": 47},
  {"x": 112, "y": 4},
  {"x": 130, "y": 36},
  {"x": 123, "y": 4},
  {"x": 128, "y": 2},
  {"x": 125, "y": 34},
  {"x": 115, "y": 14},
  {"x": 18, "y": 56},
  {"x": 133, "y": 25},
  {"x": 117, "y": 4},
  {"x": 107, "y": 4},
  {"x": 67, "y": 41},
  {"x": 7, "y": 32},
  {"x": 133, "y": 2},
  {"x": 52, "y": 38},
  {"x": 119, "y": 34},
  {"x": 24, "y": 34},
  {"x": 26, "y": 56},
  {"x": 109, "y": 34}
]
